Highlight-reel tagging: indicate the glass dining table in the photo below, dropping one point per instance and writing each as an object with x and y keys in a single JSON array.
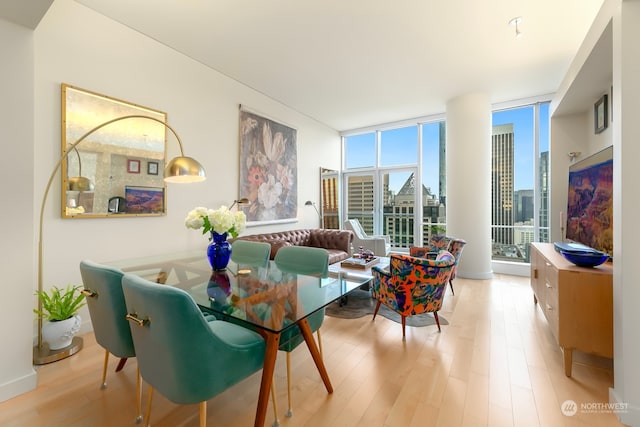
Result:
[{"x": 262, "y": 297}]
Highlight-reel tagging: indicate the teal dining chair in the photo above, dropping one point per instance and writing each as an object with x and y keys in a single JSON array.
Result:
[
  {"x": 105, "y": 301},
  {"x": 309, "y": 261},
  {"x": 185, "y": 357},
  {"x": 250, "y": 252}
]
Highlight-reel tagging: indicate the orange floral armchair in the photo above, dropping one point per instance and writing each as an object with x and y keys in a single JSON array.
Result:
[
  {"x": 412, "y": 285},
  {"x": 436, "y": 243}
]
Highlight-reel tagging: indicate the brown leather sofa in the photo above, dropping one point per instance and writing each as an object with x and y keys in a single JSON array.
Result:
[{"x": 336, "y": 242}]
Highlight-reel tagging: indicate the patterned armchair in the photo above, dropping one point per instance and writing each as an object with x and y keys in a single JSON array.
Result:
[
  {"x": 436, "y": 243},
  {"x": 412, "y": 285},
  {"x": 455, "y": 247},
  {"x": 439, "y": 242}
]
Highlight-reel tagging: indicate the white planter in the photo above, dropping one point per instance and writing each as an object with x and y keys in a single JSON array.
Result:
[{"x": 60, "y": 333}]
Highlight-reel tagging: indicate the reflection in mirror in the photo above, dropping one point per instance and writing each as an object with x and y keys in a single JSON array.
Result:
[
  {"x": 330, "y": 198},
  {"x": 123, "y": 161}
]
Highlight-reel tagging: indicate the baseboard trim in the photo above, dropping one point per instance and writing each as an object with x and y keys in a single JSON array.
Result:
[
  {"x": 18, "y": 386},
  {"x": 630, "y": 416}
]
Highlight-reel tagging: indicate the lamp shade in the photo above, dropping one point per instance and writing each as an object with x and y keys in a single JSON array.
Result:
[
  {"x": 80, "y": 183},
  {"x": 184, "y": 169},
  {"x": 243, "y": 201}
]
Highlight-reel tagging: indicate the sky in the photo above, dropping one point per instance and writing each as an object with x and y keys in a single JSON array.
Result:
[{"x": 399, "y": 148}]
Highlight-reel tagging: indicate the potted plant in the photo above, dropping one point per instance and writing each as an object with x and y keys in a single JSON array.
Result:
[{"x": 60, "y": 312}]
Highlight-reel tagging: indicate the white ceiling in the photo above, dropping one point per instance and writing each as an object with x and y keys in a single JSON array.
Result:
[{"x": 356, "y": 63}]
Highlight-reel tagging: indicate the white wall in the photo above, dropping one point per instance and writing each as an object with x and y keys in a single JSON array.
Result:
[
  {"x": 576, "y": 133},
  {"x": 16, "y": 219},
  {"x": 626, "y": 175},
  {"x": 78, "y": 46}
]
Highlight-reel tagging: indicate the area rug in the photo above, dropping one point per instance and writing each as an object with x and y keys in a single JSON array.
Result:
[{"x": 359, "y": 303}]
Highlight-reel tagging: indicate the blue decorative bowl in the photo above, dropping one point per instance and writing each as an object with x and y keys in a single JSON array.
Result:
[{"x": 585, "y": 259}]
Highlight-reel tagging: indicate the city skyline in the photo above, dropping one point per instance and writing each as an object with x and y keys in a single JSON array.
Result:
[{"x": 399, "y": 147}]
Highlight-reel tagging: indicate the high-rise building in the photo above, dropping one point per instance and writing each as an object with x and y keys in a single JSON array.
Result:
[
  {"x": 544, "y": 197},
  {"x": 360, "y": 203},
  {"x": 399, "y": 215},
  {"x": 442, "y": 163},
  {"x": 523, "y": 205},
  {"x": 502, "y": 184}
]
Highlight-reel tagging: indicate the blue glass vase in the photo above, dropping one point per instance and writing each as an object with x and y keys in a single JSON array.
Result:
[{"x": 219, "y": 251}]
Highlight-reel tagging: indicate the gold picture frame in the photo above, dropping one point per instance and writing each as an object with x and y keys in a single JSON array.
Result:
[{"x": 112, "y": 157}]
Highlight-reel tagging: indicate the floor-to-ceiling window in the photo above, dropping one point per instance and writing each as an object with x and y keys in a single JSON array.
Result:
[
  {"x": 383, "y": 196},
  {"x": 519, "y": 180},
  {"x": 434, "y": 179},
  {"x": 384, "y": 166}
]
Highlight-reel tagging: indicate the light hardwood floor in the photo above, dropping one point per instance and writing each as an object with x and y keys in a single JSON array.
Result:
[{"x": 494, "y": 364}]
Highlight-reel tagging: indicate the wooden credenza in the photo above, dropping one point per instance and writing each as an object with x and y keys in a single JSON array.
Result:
[{"x": 576, "y": 301}]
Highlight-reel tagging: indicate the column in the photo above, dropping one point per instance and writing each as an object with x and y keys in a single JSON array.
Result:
[{"x": 469, "y": 181}]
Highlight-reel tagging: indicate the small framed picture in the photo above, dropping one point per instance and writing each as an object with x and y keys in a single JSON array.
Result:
[
  {"x": 152, "y": 168},
  {"x": 600, "y": 114},
  {"x": 133, "y": 166}
]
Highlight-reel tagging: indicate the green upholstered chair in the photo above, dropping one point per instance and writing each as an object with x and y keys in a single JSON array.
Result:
[
  {"x": 303, "y": 260},
  {"x": 309, "y": 261},
  {"x": 182, "y": 355},
  {"x": 250, "y": 252},
  {"x": 412, "y": 285},
  {"x": 105, "y": 301}
]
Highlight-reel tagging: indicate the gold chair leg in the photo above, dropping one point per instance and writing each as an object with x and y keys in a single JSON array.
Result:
[
  {"x": 147, "y": 415},
  {"x": 319, "y": 342},
  {"x": 276, "y": 421},
  {"x": 203, "y": 414},
  {"x": 104, "y": 370},
  {"x": 138, "y": 397},
  {"x": 290, "y": 410}
]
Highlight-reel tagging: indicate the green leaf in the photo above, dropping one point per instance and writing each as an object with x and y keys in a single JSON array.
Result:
[{"x": 58, "y": 304}]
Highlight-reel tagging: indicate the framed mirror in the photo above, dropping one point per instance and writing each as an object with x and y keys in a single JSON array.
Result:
[
  {"x": 123, "y": 161},
  {"x": 330, "y": 198}
]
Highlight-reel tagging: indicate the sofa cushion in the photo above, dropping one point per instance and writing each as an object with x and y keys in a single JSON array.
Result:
[
  {"x": 331, "y": 239},
  {"x": 337, "y": 255}
]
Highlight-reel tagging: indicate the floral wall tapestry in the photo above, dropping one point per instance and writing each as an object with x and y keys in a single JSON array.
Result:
[{"x": 268, "y": 169}]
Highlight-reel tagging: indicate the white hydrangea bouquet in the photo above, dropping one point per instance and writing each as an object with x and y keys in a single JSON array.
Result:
[{"x": 219, "y": 221}]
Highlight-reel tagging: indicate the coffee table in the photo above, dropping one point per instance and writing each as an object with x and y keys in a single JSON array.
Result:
[{"x": 357, "y": 273}]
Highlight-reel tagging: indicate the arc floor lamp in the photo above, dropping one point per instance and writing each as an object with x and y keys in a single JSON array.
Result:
[{"x": 180, "y": 169}]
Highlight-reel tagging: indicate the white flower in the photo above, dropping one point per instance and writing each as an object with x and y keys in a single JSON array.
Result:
[
  {"x": 220, "y": 220},
  {"x": 240, "y": 222},
  {"x": 269, "y": 192}
]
